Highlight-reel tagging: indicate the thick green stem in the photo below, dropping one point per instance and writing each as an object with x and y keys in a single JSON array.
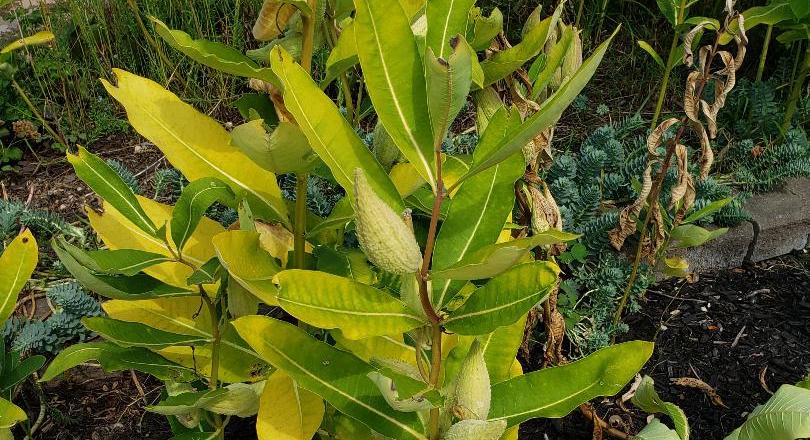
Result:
[
  {"x": 20, "y": 91},
  {"x": 796, "y": 91},
  {"x": 671, "y": 59},
  {"x": 764, "y": 55}
]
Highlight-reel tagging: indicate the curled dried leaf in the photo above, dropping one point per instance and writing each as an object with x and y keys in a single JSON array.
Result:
[
  {"x": 629, "y": 215},
  {"x": 545, "y": 212},
  {"x": 679, "y": 190},
  {"x": 688, "y": 56},
  {"x": 655, "y": 137},
  {"x": 653, "y": 242},
  {"x": 272, "y": 20},
  {"x": 742, "y": 41},
  {"x": 706, "y": 152},
  {"x": 538, "y": 151},
  {"x": 690, "y": 102},
  {"x": 692, "y": 382}
]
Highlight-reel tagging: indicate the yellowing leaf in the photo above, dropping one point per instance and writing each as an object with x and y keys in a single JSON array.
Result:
[
  {"x": 286, "y": 411},
  {"x": 119, "y": 233},
  {"x": 247, "y": 263},
  {"x": 16, "y": 265},
  {"x": 38, "y": 38},
  {"x": 194, "y": 143}
]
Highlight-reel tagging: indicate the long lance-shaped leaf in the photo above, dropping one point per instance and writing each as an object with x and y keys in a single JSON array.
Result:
[
  {"x": 114, "y": 358},
  {"x": 343, "y": 55},
  {"x": 240, "y": 252},
  {"x": 479, "y": 209},
  {"x": 105, "y": 182},
  {"x": 494, "y": 259},
  {"x": 16, "y": 265},
  {"x": 10, "y": 415},
  {"x": 287, "y": 411},
  {"x": 328, "y": 132},
  {"x": 648, "y": 400},
  {"x": 140, "y": 286},
  {"x": 329, "y": 301},
  {"x": 448, "y": 84},
  {"x": 127, "y": 262},
  {"x": 339, "y": 377},
  {"x": 446, "y": 19},
  {"x": 38, "y": 38},
  {"x": 394, "y": 75},
  {"x": 134, "y": 334},
  {"x": 214, "y": 55},
  {"x": 549, "y": 113},
  {"x": 18, "y": 371},
  {"x": 786, "y": 416},
  {"x": 195, "y": 200},
  {"x": 504, "y": 299},
  {"x": 194, "y": 143},
  {"x": 555, "y": 392}
]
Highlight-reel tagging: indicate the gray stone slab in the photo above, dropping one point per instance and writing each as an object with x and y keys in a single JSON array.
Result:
[
  {"x": 727, "y": 251},
  {"x": 782, "y": 220}
]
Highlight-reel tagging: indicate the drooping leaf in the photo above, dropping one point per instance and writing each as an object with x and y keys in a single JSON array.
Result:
[
  {"x": 194, "y": 143},
  {"x": 786, "y": 416},
  {"x": 285, "y": 150},
  {"x": 329, "y": 134},
  {"x": 42, "y": 37},
  {"x": 652, "y": 52},
  {"x": 213, "y": 54},
  {"x": 550, "y": 111},
  {"x": 241, "y": 253},
  {"x": 195, "y": 200},
  {"x": 105, "y": 182},
  {"x": 16, "y": 265},
  {"x": 394, "y": 76},
  {"x": 479, "y": 209},
  {"x": 113, "y": 358},
  {"x": 491, "y": 260},
  {"x": 287, "y": 411},
  {"x": 555, "y": 392},
  {"x": 328, "y": 301},
  {"x": 338, "y": 377},
  {"x": 504, "y": 299},
  {"x": 648, "y": 400},
  {"x": 133, "y": 334}
]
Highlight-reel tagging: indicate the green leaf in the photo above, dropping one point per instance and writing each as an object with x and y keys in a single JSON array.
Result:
[
  {"x": 491, "y": 260},
  {"x": 500, "y": 351},
  {"x": 479, "y": 209},
  {"x": 343, "y": 56},
  {"x": 786, "y": 416},
  {"x": 105, "y": 182},
  {"x": 338, "y": 377},
  {"x": 259, "y": 105},
  {"x": 287, "y": 411},
  {"x": 20, "y": 372},
  {"x": 349, "y": 263},
  {"x": 448, "y": 84},
  {"x": 649, "y": 49},
  {"x": 38, "y": 38},
  {"x": 505, "y": 62},
  {"x": 114, "y": 358},
  {"x": 549, "y": 113},
  {"x": 286, "y": 150},
  {"x": 553, "y": 61},
  {"x": 133, "y": 334},
  {"x": 669, "y": 9},
  {"x": 555, "y": 392},
  {"x": 16, "y": 265},
  {"x": 127, "y": 262},
  {"x": 195, "y": 200},
  {"x": 504, "y": 299},
  {"x": 240, "y": 252},
  {"x": 445, "y": 20},
  {"x": 340, "y": 216},
  {"x": 800, "y": 8},
  {"x": 208, "y": 273},
  {"x": 186, "y": 402},
  {"x": 329, "y": 301},
  {"x": 484, "y": 29},
  {"x": 140, "y": 286},
  {"x": 329, "y": 134},
  {"x": 707, "y": 210},
  {"x": 685, "y": 236},
  {"x": 10, "y": 414},
  {"x": 394, "y": 76},
  {"x": 215, "y": 55},
  {"x": 195, "y": 144},
  {"x": 656, "y": 430},
  {"x": 647, "y": 399}
]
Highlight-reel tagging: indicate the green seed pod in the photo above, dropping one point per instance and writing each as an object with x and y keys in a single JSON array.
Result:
[
  {"x": 384, "y": 236},
  {"x": 384, "y": 148},
  {"x": 573, "y": 58},
  {"x": 473, "y": 394},
  {"x": 476, "y": 430},
  {"x": 272, "y": 20}
]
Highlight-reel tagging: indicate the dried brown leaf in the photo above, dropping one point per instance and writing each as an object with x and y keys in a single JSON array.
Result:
[
  {"x": 655, "y": 136},
  {"x": 679, "y": 190},
  {"x": 688, "y": 56},
  {"x": 628, "y": 216},
  {"x": 690, "y": 102},
  {"x": 706, "y": 152},
  {"x": 692, "y": 382}
]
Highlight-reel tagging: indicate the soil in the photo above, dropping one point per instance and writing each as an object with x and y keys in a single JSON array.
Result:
[{"x": 742, "y": 331}]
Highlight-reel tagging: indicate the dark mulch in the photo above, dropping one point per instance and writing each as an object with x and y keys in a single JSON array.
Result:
[{"x": 763, "y": 307}]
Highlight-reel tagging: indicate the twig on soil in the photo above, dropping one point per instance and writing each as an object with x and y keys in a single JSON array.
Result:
[
  {"x": 762, "y": 381},
  {"x": 737, "y": 338},
  {"x": 138, "y": 385}
]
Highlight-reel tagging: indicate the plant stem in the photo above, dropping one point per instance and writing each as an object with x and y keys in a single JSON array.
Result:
[
  {"x": 331, "y": 36},
  {"x": 764, "y": 54},
  {"x": 213, "y": 383},
  {"x": 435, "y": 370},
  {"x": 20, "y": 91},
  {"x": 579, "y": 13},
  {"x": 300, "y": 233},
  {"x": 796, "y": 91},
  {"x": 662, "y": 92}
]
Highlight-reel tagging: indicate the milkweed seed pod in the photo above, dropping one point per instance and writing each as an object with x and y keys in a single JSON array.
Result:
[
  {"x": 476, "y": 430},
  {"x": 384, "y": 148},
  {"x": 473, "y": 394},
  {"x": 573, "y": 58},
  {"x": 272, "y": 20},
  {"x": 384, "y": 236}
]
